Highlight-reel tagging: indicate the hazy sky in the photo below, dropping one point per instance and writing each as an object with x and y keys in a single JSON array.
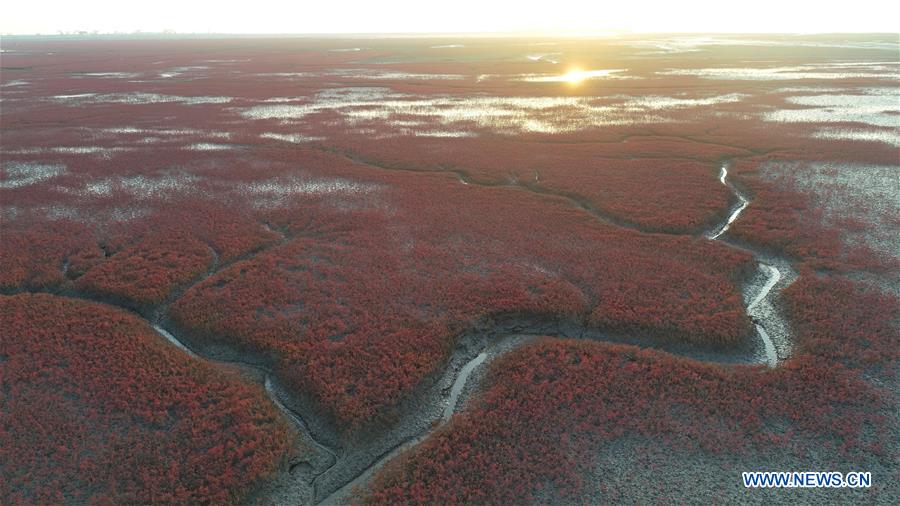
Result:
[{"x": 374, "y": 16}]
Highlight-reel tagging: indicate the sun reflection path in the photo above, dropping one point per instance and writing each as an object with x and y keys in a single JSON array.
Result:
[{"x": 575, "y": 75}]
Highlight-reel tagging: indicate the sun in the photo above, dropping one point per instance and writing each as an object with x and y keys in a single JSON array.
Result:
[{"x": 574, "y": 76}]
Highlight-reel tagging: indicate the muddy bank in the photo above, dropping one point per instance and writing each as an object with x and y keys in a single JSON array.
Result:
[
  {"x": 627, "y": 465},
  {"x": 763, "y": 299}
]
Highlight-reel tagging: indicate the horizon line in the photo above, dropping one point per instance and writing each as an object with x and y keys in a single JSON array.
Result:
[{"x": 411, "y": 34}]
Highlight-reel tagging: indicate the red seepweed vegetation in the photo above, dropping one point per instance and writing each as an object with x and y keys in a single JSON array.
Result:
[
  {"x": 99, "y": 409},
  {"x": 550, "y": 406},
  {"x": 40, "y": 254},
  {"x": 846, "y": 322},
  {"x": 361, "y": 305},
  {"x": 354, "y": 279},
  {"x": 653, "y": 183},
  {"x": 146, "y": 273},
  {"x": 786, "y": 221}
]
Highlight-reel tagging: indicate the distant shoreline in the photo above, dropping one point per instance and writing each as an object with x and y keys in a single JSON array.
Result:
[{"x": 425, "y": 35}]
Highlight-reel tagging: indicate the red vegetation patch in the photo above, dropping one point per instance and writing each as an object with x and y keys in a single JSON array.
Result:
[
  {"x": 846, "y": 322},
  {"x": 787, "y": 221},
  {"x": 229, "y": 231},
  {"x": 552, "y": 405},
  {"x": 40, "y": 254},
  {"x": 656, "y": 195},
  {"x": 137, "y": 262},
  {"x": 381, "y": 268},
  {"x": 368, "y": 297},
  {"x": 655, "y": 183},
  {"x": 97, "y": 408},
  {"x": 143, "y": 275}
]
